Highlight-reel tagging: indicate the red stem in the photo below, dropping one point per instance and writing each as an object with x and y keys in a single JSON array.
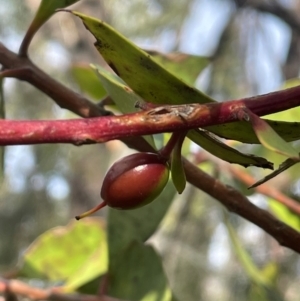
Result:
[
  {"x": 176, "y": 137},
  {"x": 168, "y": 119}
]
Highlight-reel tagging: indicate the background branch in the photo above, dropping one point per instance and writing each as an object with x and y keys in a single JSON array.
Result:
[
  {"x": 275, "y": 9},
  {"x": 237, "y": 203}
]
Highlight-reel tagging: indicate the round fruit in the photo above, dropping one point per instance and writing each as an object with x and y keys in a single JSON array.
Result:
[{"x": 133, "y": 181}]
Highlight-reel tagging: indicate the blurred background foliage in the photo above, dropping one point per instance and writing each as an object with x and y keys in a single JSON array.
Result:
[{"x": 253, "y": 48}]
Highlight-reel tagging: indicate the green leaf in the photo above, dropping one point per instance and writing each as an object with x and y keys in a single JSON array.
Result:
[
  {"x": 146, "y": 77},
  {"x": 284, "y": 214},
  {"x": 219, "y": 149},
  {"x": 270, "y": 139},
  {"x": 122, "y": 95},
  {"x": 138, "y": 69},
  {"x": 2, "y": 101},
  {"x": 75, "y": 254},
  {"x": 283, "y": 166},
  {"x": 185, "y": 66},
  {"x": 177, "y": 169},
  {"x": 254, "y": 273},
  {"x": 139, "y": 275},
  {"x": 88, "y": 81},
  {"x": 138, "y": 224},
  {"x": 155, "y": 84},
  {"x": 47, "y": 8},
  {"x": 242, "y": 131},
  {"x": 2, "y": 116}
]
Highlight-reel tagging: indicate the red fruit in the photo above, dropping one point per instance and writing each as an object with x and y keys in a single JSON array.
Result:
[{"x": 133, "y": 181}]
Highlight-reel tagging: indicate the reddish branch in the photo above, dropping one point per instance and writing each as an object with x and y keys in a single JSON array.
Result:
[
  {"x": 157, "y": 120},
  {"x": 160, "y": 120},
  {"x": 117, "y": 127},
  {"x": 16, "y": 287}
]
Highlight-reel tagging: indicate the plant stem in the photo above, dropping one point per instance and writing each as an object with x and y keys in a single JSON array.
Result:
[
  {"x": 232, "y": 199},
  {"x": 166, "y": 151}
]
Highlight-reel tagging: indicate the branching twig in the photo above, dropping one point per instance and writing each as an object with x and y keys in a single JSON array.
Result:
[
  {"x": 157, "y": 120},
  {"x": 277, "y": 10},
  {"x": 23, "y": 69},
  {"x": 229, "y": 197}
]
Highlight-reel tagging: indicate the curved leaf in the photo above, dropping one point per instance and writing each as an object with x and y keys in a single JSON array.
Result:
[
  {"x": 74, "y": 254},
  {"x": 2, "y": 116},
  {"x": 177, "y": 169},
  {"x": 124, "y": 98},
  {"x": 139, "y": 275},
  {"x": 185, "y": 66},
  {"x": 270, "y": 139},
  {"x": 283, "y": 166},
  {"x": 254, "y": 273},
  {"x": 242, "y": 131},
  {"x": 155, "y": 84},
  {"x": 284, "y": 214},
  {"x": 46, "y": 9},
  {"x": 88, "y": 81},
  {"x": 138, "y": 69},
  {"x": 219, "y": 149}
]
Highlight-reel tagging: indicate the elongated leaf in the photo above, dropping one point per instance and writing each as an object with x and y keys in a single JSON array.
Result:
[
  {"x": 283, "y": 166},
  {"x": 75, "y": 254},
  {"x": 284, "y": 214},
  {"x": 270, "y": 139},
  {"x": 216, "y": 147},
  {"x": 177, "y": 169},
  {"x": 242, "y": 131},
  {"x": 88, "y": 81},
  {"x": 123, "y": 96},
  {"x": 2, "y": 116},
  {"x": 138, "y": 69},
  {"x": 185, "y": 66},
  {"x": 46, "y": 9},
  {"x": 251, "y": 269},
  {"x": 139, "y": 275},
  {"x": 155, "y": 84}
]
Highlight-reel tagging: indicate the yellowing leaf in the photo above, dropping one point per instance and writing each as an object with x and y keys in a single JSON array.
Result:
[
  {"x": 185, "y": 66},
  {"x": 270, "y": 139},
  {"x": 75, "y": 254},
  {"x": 88, "y": 81},
  {"x": 251, "y": 269},
  {"x": 139, "y": 275}
]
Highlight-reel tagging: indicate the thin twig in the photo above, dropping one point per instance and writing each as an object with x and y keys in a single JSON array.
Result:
[
  {"x": 245, "y": 177},
  {"x": 266, "y": 189}
]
